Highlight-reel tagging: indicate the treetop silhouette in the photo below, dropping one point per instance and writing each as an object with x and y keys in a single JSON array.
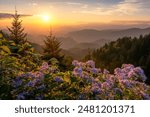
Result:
[{"x": 16, "y": 30}]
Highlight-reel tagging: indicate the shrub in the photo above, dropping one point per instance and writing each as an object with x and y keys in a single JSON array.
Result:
[{"x": 84, "y": 82}]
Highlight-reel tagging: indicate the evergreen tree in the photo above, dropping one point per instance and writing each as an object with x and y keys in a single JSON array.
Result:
[
  {"x": 17, "y": 31},
  {"x": 52, "y": 47},
  {"x": 88, "y": 56}
]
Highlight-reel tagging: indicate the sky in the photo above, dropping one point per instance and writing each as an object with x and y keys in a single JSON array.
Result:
[{"x": 76, "y": 12}]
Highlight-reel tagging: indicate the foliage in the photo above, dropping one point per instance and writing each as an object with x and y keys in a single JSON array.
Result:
[
  {"x": 26, "y": 76},
  {"x": 52, "y": 50},
  {"x": 84, "y": 82},
  {"x": 9, "y": 69},
  {"x": 16, "y": 31},
  {"x": 12, "y": 64},
  {"x": 52, "y": 47},
  {"x": 126, "y": 50}
]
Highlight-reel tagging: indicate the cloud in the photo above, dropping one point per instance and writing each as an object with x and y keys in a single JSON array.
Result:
[
  {"x": 8, "y": 15},
  {"x": 5, "y": 15},
  {"x": 73, "y": 3},
  {"x": 128, "y": 7},
  {"x": 33, "y": 4},
  {"x": 144, "y": 2},
  {"x": 122, "y": 7},
  {"x": 115, "y": 8},
  {"x": 84, "y": 6}
]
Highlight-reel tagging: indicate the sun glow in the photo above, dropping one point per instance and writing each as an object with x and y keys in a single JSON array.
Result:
[{"x": 46, "y": 18}]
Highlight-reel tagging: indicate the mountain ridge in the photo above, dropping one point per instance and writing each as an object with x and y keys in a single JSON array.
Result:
[{"x": 89, "y": 35}]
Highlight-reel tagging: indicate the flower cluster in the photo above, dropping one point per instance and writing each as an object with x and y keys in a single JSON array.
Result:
[
  {"x": 84, "y": 82},
  {"x": 45, "y": 68},
  {"x": 85, "y": 70},
  {"x": 129, "y": 71},
  {"x": 125, "y": 83},
  {"x": 26, "y": 85}
]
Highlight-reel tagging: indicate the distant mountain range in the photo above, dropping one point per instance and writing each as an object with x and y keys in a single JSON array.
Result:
[
  {"x": 67, "y": 42},
  {"x": 90, "y": 35},
  {"x": 89, "y": 38},
  {"x": 77, "y": 43}
]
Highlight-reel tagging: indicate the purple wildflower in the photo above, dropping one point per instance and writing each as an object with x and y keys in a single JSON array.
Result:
[
  {"x": 41, "y": 87},
  {"x": 82, "y": 97},
  {"x": 58, "y": 79},
  {"x": 126, "y": 83},
  {"x": 30, "y": 84},
  {"x": 106, "y": 71},
  {"x": 44, "y": 66},
  {"x": 75, "y": 63},
  {"x": 140, "y": 72},
  {"x": 117, "y": 71},
  {"x": 78, "y": 71},
  {"x": 145, "y": 96},
  {"x": 17, "y": 82},
  {"x": 21, "y": 96},
  {"x": 132, "y": 74},
  {"x": 127, "y": 67},
  {"x": 106, "y": 85},
  {"x": 39, "y": 75},
  {"x": 90, "y": 63},
  {"x": 96, "y": 88},
  {"x": 94, "y": 70},
  {"x": 37, "y": 80},
  {"x": 23, "y": 75},
  {"x": 110, "y": 82},
  {"x": 85, "y": 75},
  {"x": 117, "y": 91}
]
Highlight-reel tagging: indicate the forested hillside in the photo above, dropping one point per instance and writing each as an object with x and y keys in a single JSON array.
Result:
[{"x": 127, "y": 50}]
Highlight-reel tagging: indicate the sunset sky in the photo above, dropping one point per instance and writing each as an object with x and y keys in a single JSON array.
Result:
[{"x": 72, "y": 12}]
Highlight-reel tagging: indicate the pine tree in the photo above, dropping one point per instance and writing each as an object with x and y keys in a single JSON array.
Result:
[
  {"x": 17, "y": 31},
  {"x": 89, "y": 55},
  {"x": 52, "y": 47}
]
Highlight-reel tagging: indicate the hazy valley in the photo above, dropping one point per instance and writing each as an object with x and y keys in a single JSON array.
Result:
[{"x": 77, "y": 43}]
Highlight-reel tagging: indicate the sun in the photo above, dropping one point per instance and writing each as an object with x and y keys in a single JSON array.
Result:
[{"x": 46, "y": 18}]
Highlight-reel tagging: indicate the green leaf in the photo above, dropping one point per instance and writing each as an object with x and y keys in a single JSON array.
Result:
[
  {"x": 67, "y": 78},
  {"x": 13, "y": 47},
  {"x": 1, "y": 36},
  {"x": 20, "y": 50},
  {"x": 5, "y": 48},
  {"x": 12, "y": 44},
  {"x": 2, "y": 53}
]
